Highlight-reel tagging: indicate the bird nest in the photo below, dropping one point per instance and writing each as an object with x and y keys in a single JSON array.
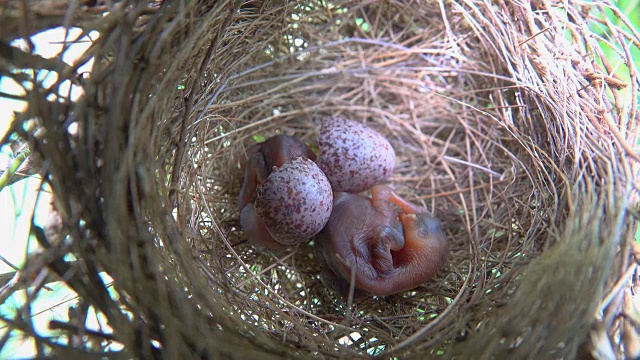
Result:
[{"x": 508, "y": 121}]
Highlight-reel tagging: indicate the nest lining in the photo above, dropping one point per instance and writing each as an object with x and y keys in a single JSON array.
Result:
[{"x": 498, "y": 131}]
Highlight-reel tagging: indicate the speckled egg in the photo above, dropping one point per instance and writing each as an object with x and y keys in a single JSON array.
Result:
[
  {"x": 353, "y": 156},
  {"x": 295, "y": 201}
]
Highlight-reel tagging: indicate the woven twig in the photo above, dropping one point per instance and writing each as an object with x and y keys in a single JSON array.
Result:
[{"x": 508, "y": 121}]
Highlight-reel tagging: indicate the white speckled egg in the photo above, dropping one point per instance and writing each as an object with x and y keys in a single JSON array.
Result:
[
  {"x": 354, "y": 157},
  {"x": 295, "y": 201}
]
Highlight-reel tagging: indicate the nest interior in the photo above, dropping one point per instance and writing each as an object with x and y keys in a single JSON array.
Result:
[{"x": 507, "y": 123}]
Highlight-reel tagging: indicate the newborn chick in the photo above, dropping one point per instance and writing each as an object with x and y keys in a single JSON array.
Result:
[{"x": 390, "y": 251}]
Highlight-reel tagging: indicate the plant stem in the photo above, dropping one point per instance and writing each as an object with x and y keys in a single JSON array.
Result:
[{"x": 13, "y": 168}]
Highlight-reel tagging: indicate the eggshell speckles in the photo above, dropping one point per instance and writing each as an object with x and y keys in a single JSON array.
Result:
[
  {"x": 353, "y": 156},
  {"x": 295, "y": 201}
]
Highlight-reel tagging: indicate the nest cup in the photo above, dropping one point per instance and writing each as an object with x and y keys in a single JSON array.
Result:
[{"x": 506, "y": 123}]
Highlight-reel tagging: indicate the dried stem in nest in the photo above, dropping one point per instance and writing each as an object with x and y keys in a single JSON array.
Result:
[{"x": 518, "y": 137}]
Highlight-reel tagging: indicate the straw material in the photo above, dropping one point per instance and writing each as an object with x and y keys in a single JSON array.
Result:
[{"x": 508, "y": 122}]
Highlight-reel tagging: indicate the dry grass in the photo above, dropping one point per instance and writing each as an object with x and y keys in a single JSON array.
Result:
[{"x": 505, "y": 123}]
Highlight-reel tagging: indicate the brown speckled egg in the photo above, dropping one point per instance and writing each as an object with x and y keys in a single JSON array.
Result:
[
  {"x": 353, "y": 156},
  {"x": 295, "y": 201}
]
